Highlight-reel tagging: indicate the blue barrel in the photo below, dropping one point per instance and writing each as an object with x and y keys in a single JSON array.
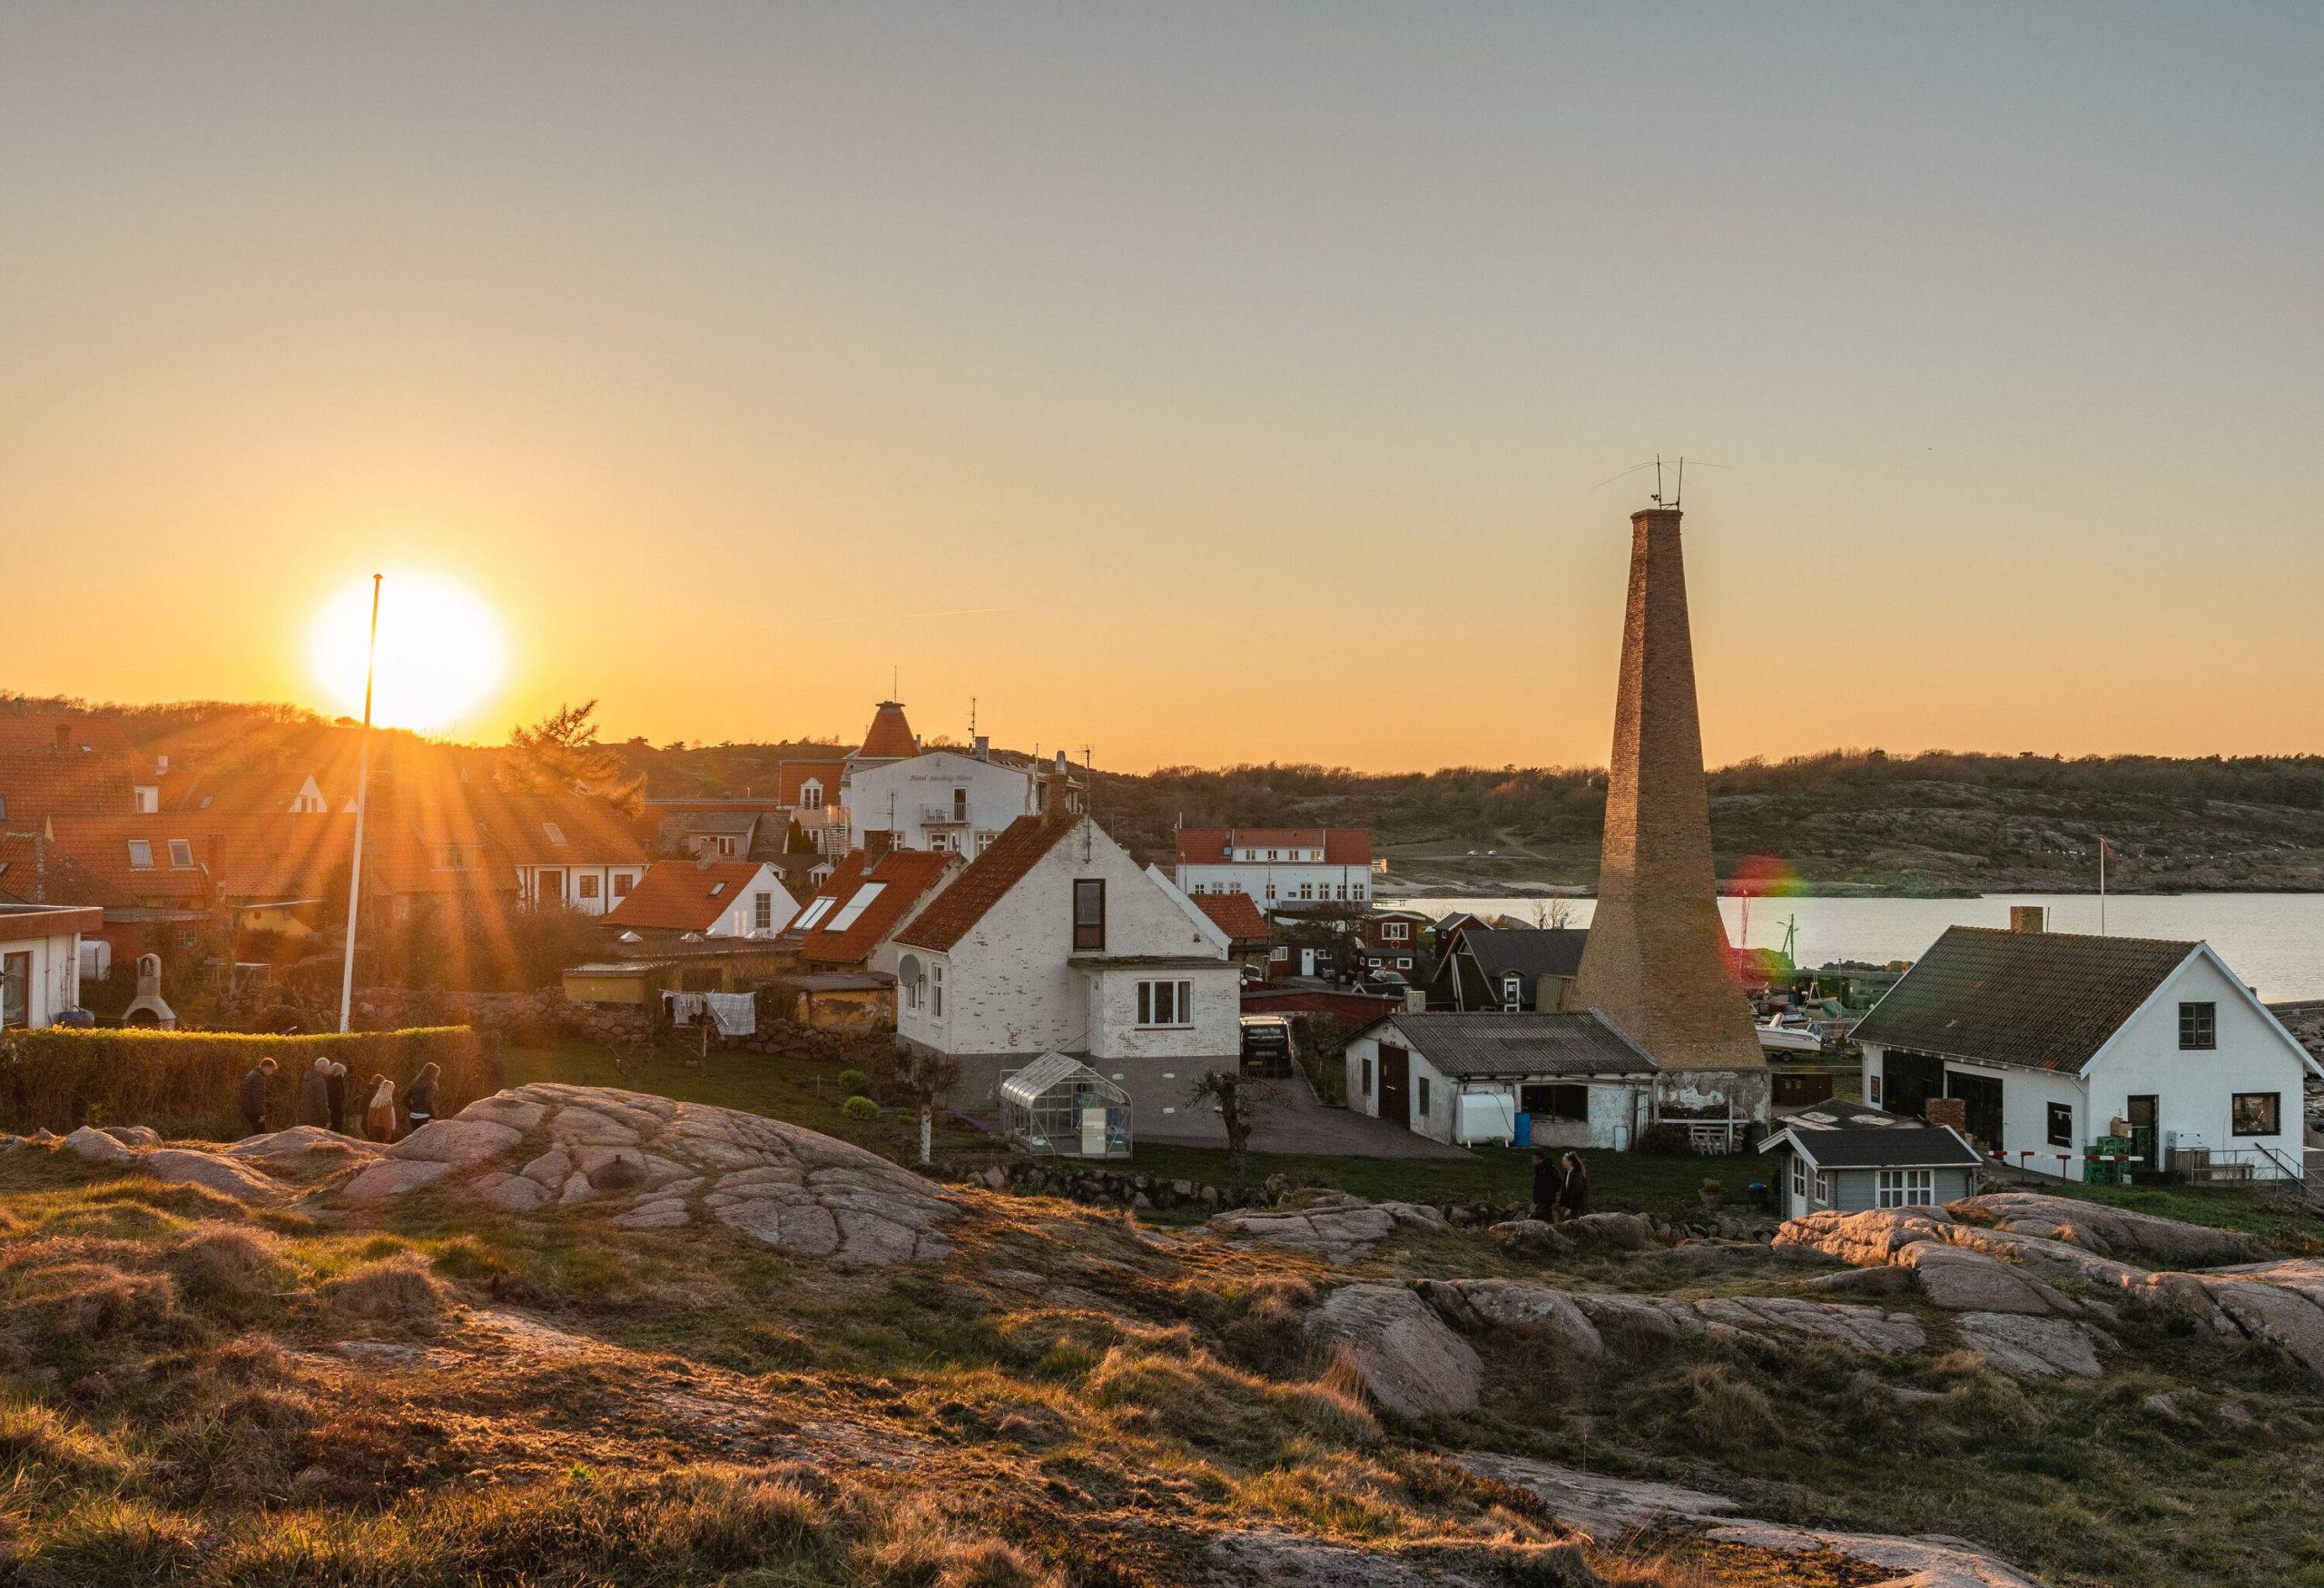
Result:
[{"x": 1525, "y": 1130}]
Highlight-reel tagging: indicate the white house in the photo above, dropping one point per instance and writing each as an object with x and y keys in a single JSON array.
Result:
[
  {"x": 40, "y": 960},
  {"x": 730, "y": 898},
  {"x": 2049, "y": 1039},
  {"x": 1056, "y": 940},
  {"x": 1465, "y": 1078},
  {"x": 1280, "y": 867},
  {"x": 950, "y": 800}
]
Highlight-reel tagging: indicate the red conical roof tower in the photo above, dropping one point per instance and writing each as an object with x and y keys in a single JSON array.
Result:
[{"x": 890, "y": 738}]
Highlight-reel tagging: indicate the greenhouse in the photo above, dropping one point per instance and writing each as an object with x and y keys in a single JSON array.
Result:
[{"x": 1059, "y": 1105}]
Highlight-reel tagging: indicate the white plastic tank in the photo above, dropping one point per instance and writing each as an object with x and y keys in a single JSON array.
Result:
[{"x": 1485, "y": 1116}]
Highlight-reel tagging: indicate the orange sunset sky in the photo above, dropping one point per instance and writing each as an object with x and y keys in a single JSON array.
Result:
[{"x": 1206, "y": 383}]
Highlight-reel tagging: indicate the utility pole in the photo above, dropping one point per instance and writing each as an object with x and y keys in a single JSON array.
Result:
[{"x": 362, "y": 809}]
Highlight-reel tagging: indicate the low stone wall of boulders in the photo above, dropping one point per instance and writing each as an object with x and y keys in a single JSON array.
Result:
[{"x": 873, "y": 1051}]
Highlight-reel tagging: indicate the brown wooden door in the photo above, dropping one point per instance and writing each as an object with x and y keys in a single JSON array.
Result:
[{"x": 1396, "y": 1084}]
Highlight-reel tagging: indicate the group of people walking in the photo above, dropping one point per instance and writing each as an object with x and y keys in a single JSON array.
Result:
[{"x": 324, "y": 1099}]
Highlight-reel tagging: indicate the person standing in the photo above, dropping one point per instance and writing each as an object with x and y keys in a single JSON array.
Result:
[
  {"x": 314, "y": 1095},
  {"x": 1573, "y": 1190},
  {"x": 338, "y": 1084},
  {"x": 1546, "y": 1187},
  {"x": 420, "y": 1097},
  {"x": 254, "y": 1086},
  {"x": 379, "y": 1117}
]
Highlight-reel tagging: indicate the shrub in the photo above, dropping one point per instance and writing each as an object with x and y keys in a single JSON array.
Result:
[
  {"x": 859, "y": 1108},
  {"x": 854, "y": 1082},
  {"x": 189, "y": 1083},
  {"x": 399, "y": 1290}
]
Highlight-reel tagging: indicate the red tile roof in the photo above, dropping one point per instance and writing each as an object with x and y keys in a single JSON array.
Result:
[
  {"x": 37, "y": 730},
  {"x": 1209, "y": 845},
  {"x": 1235, "y": 916},
  {"x": 990, "y": 876},
  {"x": 907, "y": 875},
  {"x": 36, "y": 871},
  {"x": 680, "y": 895},
  {"x": 100, "y": 844},
  {"x": 791, "y": 774},
  {"x": 891, "y": 738},
  {"x": 37, "y": 783}
]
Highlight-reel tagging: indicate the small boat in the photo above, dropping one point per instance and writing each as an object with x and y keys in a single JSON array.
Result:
[{"x": 1779, "y": 1036}]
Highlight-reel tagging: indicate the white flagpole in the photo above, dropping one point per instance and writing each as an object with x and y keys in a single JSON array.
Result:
[
  {"x": 2102, "y": 887},
  {"x": 362, "y": 808}
]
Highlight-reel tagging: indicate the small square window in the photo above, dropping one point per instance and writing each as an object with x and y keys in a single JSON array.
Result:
[
  {"x": 2198, "y": 1025},
  {"x": 586, "y": 885}
]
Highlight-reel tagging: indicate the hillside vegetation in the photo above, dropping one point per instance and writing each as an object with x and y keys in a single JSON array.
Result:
[{"x": 1845, "y": 821}]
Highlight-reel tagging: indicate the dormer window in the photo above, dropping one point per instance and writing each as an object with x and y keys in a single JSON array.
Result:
[
  {"x": 811, "y": 796},
  {"x": 1512, "y": 991},
  {"x": 149, "y": 799}
]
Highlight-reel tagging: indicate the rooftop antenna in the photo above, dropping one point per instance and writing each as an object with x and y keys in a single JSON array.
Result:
[
  {"x": 1089, "y": 799},
  {"x": 1679, "y": 483}
]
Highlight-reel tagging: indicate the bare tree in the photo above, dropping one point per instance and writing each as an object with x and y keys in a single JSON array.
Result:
[
  {"x": 560, "y": 755},
  {"x": 1238, "y": 1110},
  {"x": 927, "y": 1075}
]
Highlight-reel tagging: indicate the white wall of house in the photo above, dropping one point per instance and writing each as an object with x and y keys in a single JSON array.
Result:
[
  {"x": 1618, "y": 1106},
  {"x": 1214, "y": 996},
  {"x": 2195, "y": 1088},
  {"x": 591, "y": 889},
  {"x": 51, "y": 969},
  {"x": 942, "y": 800},
  {"x": 1009, "y": 987},
  {"x": 1284, "y": 885}
]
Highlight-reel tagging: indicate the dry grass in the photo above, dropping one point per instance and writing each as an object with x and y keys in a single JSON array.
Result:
[{"x": 400, "y": 1290}]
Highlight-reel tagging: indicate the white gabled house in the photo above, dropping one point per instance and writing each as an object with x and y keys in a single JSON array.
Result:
[
  {"x": 714, "y": 898},
  {"x": 1055, "y": 939},
  {"x": 1850, "y": 1157},
  {"x": 40, "y": 960},
  {"x": 1575, "y": 1077},
  {"x": 2048, "y": 1039}
]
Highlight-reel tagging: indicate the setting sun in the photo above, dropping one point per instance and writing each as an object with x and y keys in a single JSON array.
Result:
[{"x": 441, "y": 655}]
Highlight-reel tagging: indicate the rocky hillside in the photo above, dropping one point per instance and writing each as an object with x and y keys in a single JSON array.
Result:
[{"x": 573, "y": 1336}]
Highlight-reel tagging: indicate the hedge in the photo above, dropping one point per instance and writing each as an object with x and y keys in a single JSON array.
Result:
[{"x": 189, "y": 1083}]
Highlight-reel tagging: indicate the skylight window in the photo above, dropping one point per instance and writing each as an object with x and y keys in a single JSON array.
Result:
[
  {"x": 716, "y": 889},
  {"x": 855, "y": 908},
  {"x": 555, "y": 834},
  {"x": 141, "y": 854},
  {"x": 815, "y": 912},
  {"x": 181, "y": 853}
]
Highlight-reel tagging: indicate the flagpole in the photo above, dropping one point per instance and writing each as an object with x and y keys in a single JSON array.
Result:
[
  {"x": 2102, "y": 887},
  {"x": 362, "y": 808}
]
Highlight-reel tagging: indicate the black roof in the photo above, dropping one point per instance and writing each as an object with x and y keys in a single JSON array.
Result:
[
  {"x": 1846, "y": 1135},
  {"x": 1531, "y": 952},
  {"x": 1510, "y": 1046},
  {"x": 2044, "y": 1000}
]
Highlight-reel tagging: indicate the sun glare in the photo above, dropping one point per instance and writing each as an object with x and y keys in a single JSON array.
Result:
[{"x": 441, "y": 655}]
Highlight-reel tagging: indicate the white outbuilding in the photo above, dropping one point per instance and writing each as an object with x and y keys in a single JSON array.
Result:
[
  {"x": 1576, "y": 1079},
  {"x": 2050, "y": 1041}
]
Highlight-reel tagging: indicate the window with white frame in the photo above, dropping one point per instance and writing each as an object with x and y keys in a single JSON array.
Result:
[
  {"x": 1513, "y": 991},
  {"x": 141, "y": 854},
  {"x": 763, "y": 911},
  {"x": 181, "y": 853},
  {"x": 1395, "y": 932},
  {"x": 815, "y": 912},
  {"x": 1827, "y": 1187},
  {"x": 1907, "y": 1187},
  {"x": 1166, "y": 1003},
  {"x": 1355, "y": 893},
  {"x": 852, "y": 910},
  {"x": 936, "y": 991},
  {"x": 811, "y": 796},
  {"x": 1798, "y": 1177}
]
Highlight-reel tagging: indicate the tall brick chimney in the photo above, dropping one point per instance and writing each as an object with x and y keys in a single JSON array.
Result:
[{"x": 1657, "y": 961}]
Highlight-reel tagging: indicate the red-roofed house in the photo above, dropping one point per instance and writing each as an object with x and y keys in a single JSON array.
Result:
[
  {"x": 718, "y": 898},
  {"x": 851, "y": 919},
  {"x": 1056, "y": 940},
  {"x": 1278, "y": 867}
]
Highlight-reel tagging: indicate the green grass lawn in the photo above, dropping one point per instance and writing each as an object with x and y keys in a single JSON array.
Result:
[{"x": 808, "y": 1093}]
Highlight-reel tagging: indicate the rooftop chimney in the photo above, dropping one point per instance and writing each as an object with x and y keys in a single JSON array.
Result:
[
  {"x": 984, "y": 747},
  {"x": 877, "y": 843},
  {"x": 2027, "y": 918}
]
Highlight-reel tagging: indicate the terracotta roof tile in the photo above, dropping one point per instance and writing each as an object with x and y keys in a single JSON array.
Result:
[
  {"x": 680, "y": 895},
  {"x": 789, "y": 776},
  {"x": 907, "y": 875},
  {"x": 1235, "y": 916},
  {"x": 891, "y": 736},
  {"x": 37, "y": 783},
  {"x": 990, "y": 876}
]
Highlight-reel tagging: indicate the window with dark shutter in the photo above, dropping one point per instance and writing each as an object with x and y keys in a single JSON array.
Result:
[{"x": 1090, "y": 915}]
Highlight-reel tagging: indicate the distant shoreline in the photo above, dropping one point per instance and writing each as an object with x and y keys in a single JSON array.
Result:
[{"x": 1390, "y": 888}]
